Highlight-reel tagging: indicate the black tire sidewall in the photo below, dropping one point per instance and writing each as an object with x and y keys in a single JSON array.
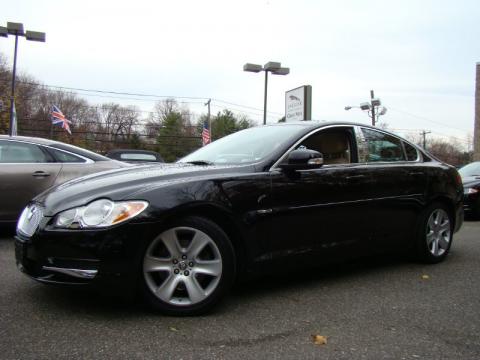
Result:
[{"x": 226, "y": 280}]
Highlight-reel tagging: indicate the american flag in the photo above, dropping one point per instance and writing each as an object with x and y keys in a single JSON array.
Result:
[
  {"x": 206, "y": 133},
  {"x": 59, "y": 119}
]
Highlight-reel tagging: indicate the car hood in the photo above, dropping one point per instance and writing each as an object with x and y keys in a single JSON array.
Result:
[
  {"x": 470, "y": 181},
  {"x": 122, "y": 183}
]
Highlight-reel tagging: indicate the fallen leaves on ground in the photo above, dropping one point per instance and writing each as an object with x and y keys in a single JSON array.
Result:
[{"x": 319, "y": 339}]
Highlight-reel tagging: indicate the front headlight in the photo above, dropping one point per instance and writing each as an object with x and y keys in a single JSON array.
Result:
[
  {"x": 469, "y": 191},
  {"x": 99, "y": 213}
]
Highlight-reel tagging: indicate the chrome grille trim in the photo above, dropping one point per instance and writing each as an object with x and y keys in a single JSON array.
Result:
[{"x": 78, "y": 273}]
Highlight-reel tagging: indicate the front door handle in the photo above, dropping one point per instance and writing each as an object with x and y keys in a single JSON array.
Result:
[{"x": 40, "y": 174}]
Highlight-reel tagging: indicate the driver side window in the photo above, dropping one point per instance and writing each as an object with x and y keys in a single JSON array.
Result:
[{"x": 334, "y": 144}]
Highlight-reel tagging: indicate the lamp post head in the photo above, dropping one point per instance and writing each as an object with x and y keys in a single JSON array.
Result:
[
  {"x": 272, "y": 66},
  {"x": 376, "y": 102},
  {"x": 348, "y": 108},
  {"x": 281, "y": 71},
  {"x": 3, "y": 31},
  {"x": 252, "y": 67},
  {"x": 15, "y": 28},
  {"x": 365, "y": 106},
  {"x": 35, "y": 36}
]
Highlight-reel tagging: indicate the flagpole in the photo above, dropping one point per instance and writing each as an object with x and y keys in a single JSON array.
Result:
[{"x": 208, "y": 119}]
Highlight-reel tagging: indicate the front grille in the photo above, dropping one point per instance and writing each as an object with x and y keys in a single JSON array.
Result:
[{"x": 29, "y": 220}]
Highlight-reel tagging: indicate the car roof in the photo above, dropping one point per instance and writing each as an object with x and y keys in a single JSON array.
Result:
[
  {"x": 314, "y": 124},
  {"x": 35, "y": 140},
  {"x": 57, "y": 145}
]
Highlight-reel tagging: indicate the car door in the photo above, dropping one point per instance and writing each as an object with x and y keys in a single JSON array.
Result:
[
  {"x": 26, "y": 170},
  {"x": 323, "y": 211},
  {"x": 398, "y": 185}
]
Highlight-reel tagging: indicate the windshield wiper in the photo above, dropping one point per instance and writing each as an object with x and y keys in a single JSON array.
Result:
[{"x": 200, "y": 162}]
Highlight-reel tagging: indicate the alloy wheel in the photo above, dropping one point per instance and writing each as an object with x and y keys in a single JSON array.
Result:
[
  {"x": 438, "y": 233},
  {"x": 182, "y": 266}
]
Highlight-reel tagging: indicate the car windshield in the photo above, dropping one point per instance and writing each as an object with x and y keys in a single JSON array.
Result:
[
  {"x": 243, "y": 147},
  {"x": 472, "y": 169}
]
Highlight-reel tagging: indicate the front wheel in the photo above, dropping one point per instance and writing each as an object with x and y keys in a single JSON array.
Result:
[
  {"x": 188, "y": 267},
  {"x": 434, "y": 234}
]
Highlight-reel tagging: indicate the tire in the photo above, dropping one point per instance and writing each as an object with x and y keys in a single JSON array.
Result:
[
  {"x": 434, "y": 234},
  {"x": 188, "y": 268}
]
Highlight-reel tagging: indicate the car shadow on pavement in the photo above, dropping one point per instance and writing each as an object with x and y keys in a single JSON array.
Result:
[
  {"x": 84, "y": 300},
  {"x": 321, "y": 275}
]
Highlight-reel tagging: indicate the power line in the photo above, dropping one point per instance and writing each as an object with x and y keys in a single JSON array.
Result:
[
  {"x": 426, "y": 119},
  {"x": 144, "y": 95}
]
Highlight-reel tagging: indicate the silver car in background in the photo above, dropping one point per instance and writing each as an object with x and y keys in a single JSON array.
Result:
[{"x": 30, "y": 165}]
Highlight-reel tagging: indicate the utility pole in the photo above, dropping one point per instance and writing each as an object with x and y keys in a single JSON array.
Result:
[
  {"x": 424, "y": 135},
  {"x": 373, "y": 107}
]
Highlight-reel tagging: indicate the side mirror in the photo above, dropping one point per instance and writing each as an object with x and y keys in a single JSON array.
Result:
[{"x": 303, "y": 159}]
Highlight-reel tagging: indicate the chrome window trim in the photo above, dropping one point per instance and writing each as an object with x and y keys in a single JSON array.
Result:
[
  {"x": 275, "y": 167},
  {"x": 87, "y": 160}
]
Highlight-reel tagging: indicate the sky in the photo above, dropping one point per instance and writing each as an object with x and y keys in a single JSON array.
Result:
[{"x": 418, "y": 56}]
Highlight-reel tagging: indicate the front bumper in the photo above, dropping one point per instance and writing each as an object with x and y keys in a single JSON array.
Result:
[{"x": 84, "y": 257}]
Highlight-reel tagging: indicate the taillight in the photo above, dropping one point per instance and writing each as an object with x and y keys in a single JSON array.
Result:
[{"x": 458, "y": 178}]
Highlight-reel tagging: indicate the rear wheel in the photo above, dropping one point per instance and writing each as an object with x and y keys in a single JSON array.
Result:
[
  {"x": 434, "y": 235},
  {"x": 188, "y": 267}
]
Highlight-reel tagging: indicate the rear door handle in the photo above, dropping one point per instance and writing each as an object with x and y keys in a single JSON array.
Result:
[
  {"x": 40, "y": 174},
  {"x": 355, "y": 177}
]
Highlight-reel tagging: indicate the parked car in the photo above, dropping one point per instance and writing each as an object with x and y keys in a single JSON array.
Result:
[
  {"x": 30, "y": 165},
  {"x": 284, "y": 195},
  {"x": 135, "y": 156},
  {"x": 471, "y": 184}
]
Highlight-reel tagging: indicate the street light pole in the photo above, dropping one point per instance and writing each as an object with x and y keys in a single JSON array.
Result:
[
  {"x": 273, "y": 67},
  {"x": 16, "y": 29},
  {"x": 373, "y": 108},
  {"x": 12, "y": 96}
]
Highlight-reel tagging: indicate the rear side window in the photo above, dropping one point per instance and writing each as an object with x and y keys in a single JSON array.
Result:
[
  {"x": 17, "y": 152},
  {"x": 412, "y": 153},
  {"x": 65, "y": 157},
  {"x": 383, "y": 147}
]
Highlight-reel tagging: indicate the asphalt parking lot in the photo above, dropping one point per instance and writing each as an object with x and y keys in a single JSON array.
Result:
[{"x": 382, "y": 308}]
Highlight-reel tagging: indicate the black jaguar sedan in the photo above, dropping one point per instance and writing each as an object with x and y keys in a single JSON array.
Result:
[{"x": 270, "y": 197}]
